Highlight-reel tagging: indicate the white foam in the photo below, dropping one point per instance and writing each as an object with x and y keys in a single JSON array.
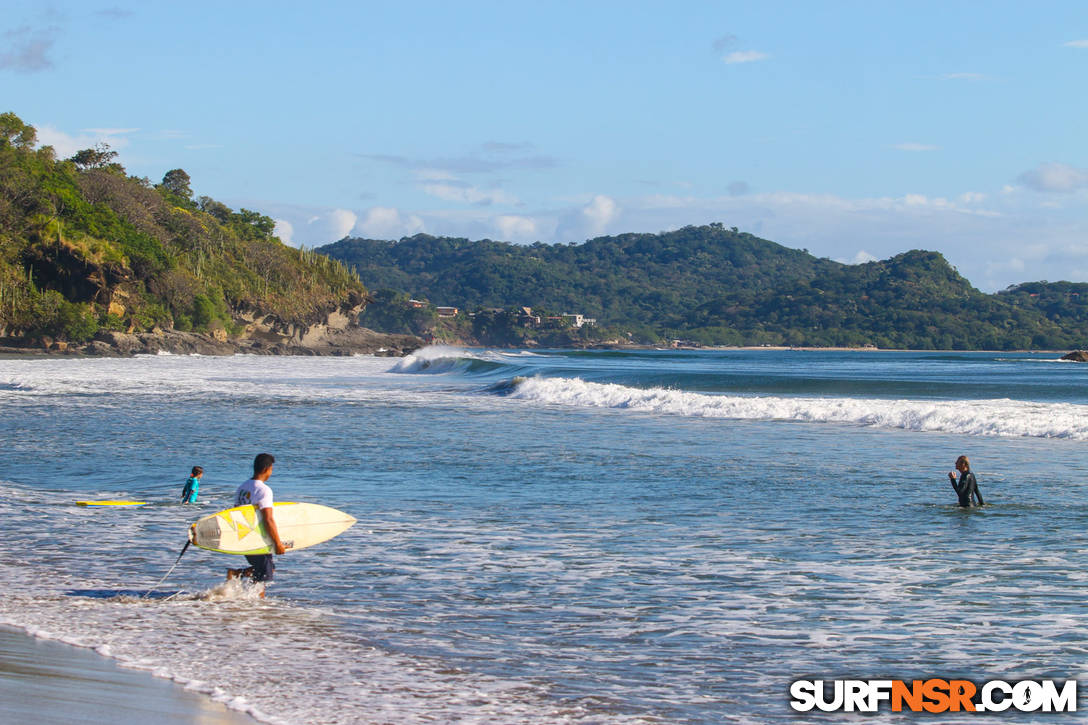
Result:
[
  {"x": 436, "y": 359},
  {"x": 180, "y": 377},
  {"x": 1001, "y": 417}
]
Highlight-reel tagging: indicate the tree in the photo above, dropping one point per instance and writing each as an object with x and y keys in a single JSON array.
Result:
[
  {"x": 13, "y": 132},
  {"x": 263, "y": 225},
  {"x": 176, "y": 181},
  {"x": 217, "y": 209},
  {"x": 100, "y": 157}
]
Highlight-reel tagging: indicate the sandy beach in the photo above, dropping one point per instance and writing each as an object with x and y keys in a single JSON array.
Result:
[{"x": 49, "y": 682}]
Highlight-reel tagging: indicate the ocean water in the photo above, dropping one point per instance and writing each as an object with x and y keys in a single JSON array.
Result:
[{"x": 558, "y": 536}]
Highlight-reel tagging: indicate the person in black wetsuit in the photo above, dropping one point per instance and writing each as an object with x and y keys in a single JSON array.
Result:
[{"x": 967, "y": 486}]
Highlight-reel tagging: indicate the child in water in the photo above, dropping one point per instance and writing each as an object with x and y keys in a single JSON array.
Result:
[{"x": 192, "y": 486}]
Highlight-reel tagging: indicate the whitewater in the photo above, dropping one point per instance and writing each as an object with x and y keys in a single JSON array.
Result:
[{"x": 558, "y": 536}]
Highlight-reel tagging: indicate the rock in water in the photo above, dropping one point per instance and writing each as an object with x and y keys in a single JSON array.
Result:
[{"x": 1077, "y": 356}]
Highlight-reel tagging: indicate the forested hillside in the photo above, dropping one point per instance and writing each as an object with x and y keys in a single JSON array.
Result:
[
  {"x": 628, "y": 278},
  {"x": 86, "y": 247},
  {"x": 914, "y": 300},
  {"x": 715, "y": 285}
]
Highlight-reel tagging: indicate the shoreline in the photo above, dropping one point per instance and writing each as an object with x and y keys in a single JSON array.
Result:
[
  {"x": 48, "y": 681},
  {"x": 331, "y": 342},
  {"x": 869, "y": 349},
  {"x": 399, "y": 346},
  {"x": 769, "y": 348}
]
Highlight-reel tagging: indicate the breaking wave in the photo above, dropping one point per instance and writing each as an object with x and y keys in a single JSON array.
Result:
[
  {"x": 1001, "y": 417},
  {"x": 441, "y": 360}
]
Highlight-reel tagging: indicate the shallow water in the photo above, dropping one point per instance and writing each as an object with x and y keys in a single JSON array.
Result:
[{"x": 638, "y": 537}]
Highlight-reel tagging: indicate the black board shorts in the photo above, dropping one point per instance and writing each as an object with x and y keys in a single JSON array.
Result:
[{"x": 263, "y": 567}]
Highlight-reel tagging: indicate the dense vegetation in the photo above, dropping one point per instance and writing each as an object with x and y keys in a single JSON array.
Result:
[
  {"x": 629, "y": 278},
  {"x": 714, "y": 285},
  {"x": 390, "y": 311},
  {"x": 84, "y": 246},
  {"x": 395, "y": 312},
  {"x": 1064, "y": 303}
]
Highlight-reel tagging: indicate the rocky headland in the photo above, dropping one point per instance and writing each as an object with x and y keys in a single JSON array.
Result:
[{"x": 337, "y": 334}]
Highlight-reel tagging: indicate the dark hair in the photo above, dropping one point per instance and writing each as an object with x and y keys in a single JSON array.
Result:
[
  {"x": 965, "y": 461},
  {"x": 197, "y": 471},
  {"x": 262, "y": 462}
]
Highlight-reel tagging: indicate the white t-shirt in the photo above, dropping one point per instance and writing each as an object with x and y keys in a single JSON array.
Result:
[{"x": 254, "y": 492}]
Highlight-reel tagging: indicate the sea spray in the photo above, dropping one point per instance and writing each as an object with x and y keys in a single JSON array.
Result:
[
  {"x": 442, "y": 360},
  {"x": 436, "y": 359},
  {"x": 1002, "y": 417}
]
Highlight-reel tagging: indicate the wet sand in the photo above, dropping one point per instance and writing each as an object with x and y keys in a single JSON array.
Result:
[{"x": 51, "y": 683}]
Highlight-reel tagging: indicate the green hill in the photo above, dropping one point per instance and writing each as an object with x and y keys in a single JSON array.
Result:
[
  {"x": 913, "y": 300},
  {"x": 85, "y": 247},
  {"x": 1064, "y": 303},
  {"x": 715, "y": 285},
  {"x": 631, "y": 278}
]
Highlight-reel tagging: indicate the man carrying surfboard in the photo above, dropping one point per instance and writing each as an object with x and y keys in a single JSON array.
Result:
[{"x": 255, "y": 492}]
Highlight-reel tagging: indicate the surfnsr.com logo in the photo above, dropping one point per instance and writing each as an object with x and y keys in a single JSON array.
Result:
[{"x": 933, "y": 695}]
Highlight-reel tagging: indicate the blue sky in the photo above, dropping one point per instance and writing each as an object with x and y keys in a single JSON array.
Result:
[{"x": 856, "y": 130}]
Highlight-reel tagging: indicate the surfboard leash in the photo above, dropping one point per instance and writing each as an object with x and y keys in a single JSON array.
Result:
[{"x": 176, "y": 562}]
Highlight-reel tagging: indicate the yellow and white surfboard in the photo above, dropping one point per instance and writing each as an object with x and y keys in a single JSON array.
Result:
[
  {"x": 111, "y": 503},
  {"x": 240, "y": 530}
]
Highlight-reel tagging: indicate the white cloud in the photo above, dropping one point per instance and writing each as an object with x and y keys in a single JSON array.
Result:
[
  {"x": 285, "y": 230},
  {"x": 66, "y": 145},
  {"x": 744, "y": 56},
  {"x": 341, "y": 222},
  {"x": 860, "y": 258},
  {"x": 591, "y": 219},
  {"x": 313, "y": 229},
  {"x": 316, "y": 226},
  {"x": 600, "y": 212},
  {"x": 910, "y": 146},
  {"x": 1077, "y": 44},
  {"x": 516, "y": 228},
  {"x": 383, "y": 222},
  {"x": 1054, "y": 177},
  {"x": 468, "y": 194}
]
